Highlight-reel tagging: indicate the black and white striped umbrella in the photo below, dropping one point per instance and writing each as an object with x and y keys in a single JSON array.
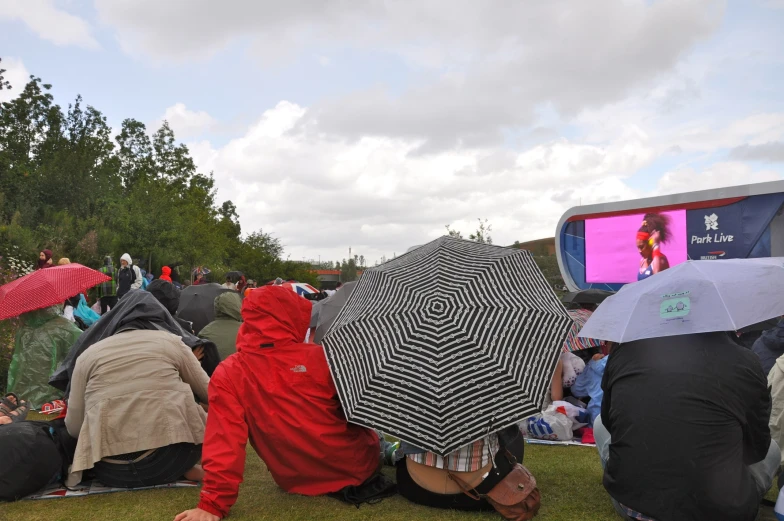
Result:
[{"x": 447, "y": 343}]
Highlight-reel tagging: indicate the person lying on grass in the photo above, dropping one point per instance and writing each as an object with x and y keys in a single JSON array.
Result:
[{"x": 279, "y": 392}]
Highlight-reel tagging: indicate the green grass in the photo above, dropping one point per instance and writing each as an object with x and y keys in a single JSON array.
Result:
[{"x": 568, "y": 477}]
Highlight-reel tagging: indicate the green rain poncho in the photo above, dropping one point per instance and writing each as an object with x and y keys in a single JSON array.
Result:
[{"x": 42, "y": 342}]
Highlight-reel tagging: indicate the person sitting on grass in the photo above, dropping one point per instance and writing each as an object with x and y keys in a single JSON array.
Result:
[
  {"x": 683, "y": 431},
  {"x": 279, "y": 392},
  {"x": 133, "y": 411}
]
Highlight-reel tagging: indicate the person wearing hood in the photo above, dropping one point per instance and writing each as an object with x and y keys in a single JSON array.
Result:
[
  {"x": 44, "y": 260},
  {"x": 107, "y": 291},
  {"x": 279, "y": 392},
  {"x": 223, "y": 330},
  {"x": 166, "y": 274},
  {"x": 42, "y": 342},
  {"x": 129, "y": 277},
  {"x": 770, "y": 346}
]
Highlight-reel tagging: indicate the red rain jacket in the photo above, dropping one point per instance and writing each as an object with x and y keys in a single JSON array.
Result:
[{"x": 279, "y": 392}]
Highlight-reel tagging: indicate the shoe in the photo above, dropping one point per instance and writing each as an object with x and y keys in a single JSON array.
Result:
[{"x": 390, "y": 451}]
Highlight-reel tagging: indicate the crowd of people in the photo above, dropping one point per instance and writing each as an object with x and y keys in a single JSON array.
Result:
[{"x": 686, "y": 427}]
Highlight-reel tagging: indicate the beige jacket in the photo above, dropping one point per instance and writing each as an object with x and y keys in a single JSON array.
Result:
[
  {"x": 133, "y": 392},
  {"x": 776, "y": 383}
]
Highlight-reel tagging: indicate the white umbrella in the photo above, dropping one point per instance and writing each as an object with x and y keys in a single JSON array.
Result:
[{"x": 692, "y": 297}]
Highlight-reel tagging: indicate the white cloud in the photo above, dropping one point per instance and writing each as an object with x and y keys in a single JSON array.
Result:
[
  {"x": 16, "y": 74},
  {"x": 49, "y": 22},
  {"x": 322, "y": 194},
  {"x": 479, "y": 69},
  {"x": 186, "y": 123},
  {"x": 718, "y": 175}
]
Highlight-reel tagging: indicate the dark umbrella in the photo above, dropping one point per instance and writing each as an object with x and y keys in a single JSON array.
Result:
[
  {"x": 447, "y": 343},
  {"x": 587, "y": 296},
  {"x": 197, "y": 304},
  {"x": 329, "y": 308},
  {"x": 136, "y": 310}
]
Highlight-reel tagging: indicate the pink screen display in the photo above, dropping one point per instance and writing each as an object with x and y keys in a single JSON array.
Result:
[{"x": 611, "y": 254}]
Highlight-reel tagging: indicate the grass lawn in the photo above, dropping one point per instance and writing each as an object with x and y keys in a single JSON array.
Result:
[{"x": 570, "y": 479}]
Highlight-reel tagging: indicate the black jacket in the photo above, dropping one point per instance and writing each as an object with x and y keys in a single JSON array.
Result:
[
  {"x": 687, "y": 416},
  {"x": 770, "y": 346}
]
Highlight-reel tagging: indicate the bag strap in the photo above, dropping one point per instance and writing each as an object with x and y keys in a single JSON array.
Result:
[{"x": 465, "y": 487}]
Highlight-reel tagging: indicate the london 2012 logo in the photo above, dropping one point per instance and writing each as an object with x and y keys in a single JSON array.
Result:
[
  {"x": 711, "y": 237},
  {"x": 711, "y": 222}
]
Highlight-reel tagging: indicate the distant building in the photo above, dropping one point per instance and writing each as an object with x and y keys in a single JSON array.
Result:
[{"x": 328, "y": 279}]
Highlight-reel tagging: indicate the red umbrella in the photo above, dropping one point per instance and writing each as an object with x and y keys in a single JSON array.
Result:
[{"x": 44, "y": 288}]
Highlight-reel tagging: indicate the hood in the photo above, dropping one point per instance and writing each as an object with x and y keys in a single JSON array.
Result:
[
  {"x": 127, "y": 258},
  {"x": 40, "y": 317},
  {"x": 273, "y": 315},
  {"x": 773, "y": 339},
  {"x": 166, "y": 271},
  {"x": 228, "y": 305},
  {"x": 107, "y": 262}
]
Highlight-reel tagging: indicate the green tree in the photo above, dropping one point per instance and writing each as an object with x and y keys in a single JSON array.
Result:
[
  {"x": 4, "y": 83},
  {"x": 348, "y": 271},
  {"x": 452, "y": 233},
  {"x": 482, "y": 233}
]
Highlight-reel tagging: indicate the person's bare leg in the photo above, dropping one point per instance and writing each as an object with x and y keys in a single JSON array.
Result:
[
  {"x": 556, "y": 388},
  {"x": 195, "y": 474}
]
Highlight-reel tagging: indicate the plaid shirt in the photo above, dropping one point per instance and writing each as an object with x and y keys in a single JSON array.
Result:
[
  {"x": 108, "y": 288},
  {"x": 466, "y": 459}
]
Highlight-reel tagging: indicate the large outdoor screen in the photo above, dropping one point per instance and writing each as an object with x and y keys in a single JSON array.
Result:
[{"x": 612, "y": 253}]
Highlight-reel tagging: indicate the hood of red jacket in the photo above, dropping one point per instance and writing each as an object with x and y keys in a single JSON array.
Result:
[
  {"x": 166, "y": 271},
  {"x": 273, "y": 317}
]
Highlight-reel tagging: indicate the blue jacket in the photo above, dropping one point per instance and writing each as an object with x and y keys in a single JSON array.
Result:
[{"x": 589, "y": 383}]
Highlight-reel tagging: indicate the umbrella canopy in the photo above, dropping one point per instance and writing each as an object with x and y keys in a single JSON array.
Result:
[
  {"x": 693, "y": 297},
  {"x": 329, "y": 308},
  {"x": 197, "y": 304},
  {"x": 44, "y": 288},
  {"x": 587, "y": 296},
  {"x": 573, "y": 341},
  {"x": 447, "y": 343},
  {"x": 300, "y": 288}
]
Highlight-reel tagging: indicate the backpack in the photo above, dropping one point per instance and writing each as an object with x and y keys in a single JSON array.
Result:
[{"x": 29, "y": 459}]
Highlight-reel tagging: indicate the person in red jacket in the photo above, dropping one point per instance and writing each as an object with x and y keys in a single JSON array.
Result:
[{"x": 278, "y": 392}]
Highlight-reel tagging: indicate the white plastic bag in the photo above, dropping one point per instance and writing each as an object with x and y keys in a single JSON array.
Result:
[
  {"x": 572, "y": 412},
  {"x": 549, "y": 425}
]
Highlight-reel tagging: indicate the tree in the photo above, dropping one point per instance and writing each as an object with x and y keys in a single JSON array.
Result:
[
  {"x": 482, "y": 234},
  {"x": 4, "y": 83},
  {"x": 453, "y": 233},
  {"x": 348, "y": 271}
]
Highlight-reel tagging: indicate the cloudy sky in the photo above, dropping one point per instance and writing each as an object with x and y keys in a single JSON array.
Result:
[{"x": 371, "y": 125}]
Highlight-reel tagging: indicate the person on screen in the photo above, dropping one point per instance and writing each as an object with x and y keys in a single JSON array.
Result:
[{"x": 654, "y": 232}]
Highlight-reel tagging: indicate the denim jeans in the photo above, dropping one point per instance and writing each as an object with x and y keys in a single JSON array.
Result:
[{"x": 762, "y": 472}]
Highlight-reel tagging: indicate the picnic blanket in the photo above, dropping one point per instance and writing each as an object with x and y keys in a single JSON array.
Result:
[
  {"x": 534, "y": 441},
  {"x": 57, "y": 491}
]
